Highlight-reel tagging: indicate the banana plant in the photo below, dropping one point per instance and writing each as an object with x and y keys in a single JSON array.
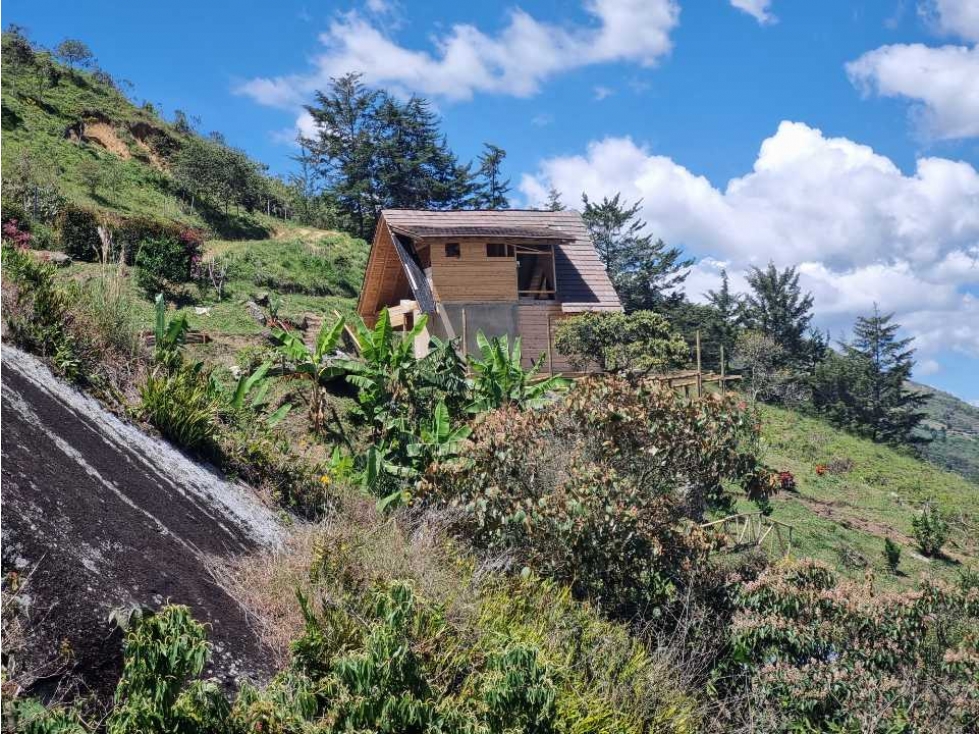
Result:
[
  {"x": 249, "y": 395},
  {"x": 381, "y": 374},
  {"x": 499, "y": 379},
  {"x": 168, "y": 336},
  {"x": 316, "y": 364},
  {"x": 438, "y": 440}
]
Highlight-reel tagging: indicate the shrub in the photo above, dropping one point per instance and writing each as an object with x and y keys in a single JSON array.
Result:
[
  {"x": 635, "y": 344},
  {"x": 822, "y": 655},
  {"x": 182, "y": 405},
  {"x": 37, "y": 312},
  {"x": 162, "y": 263},
  {"x": 11, "y": 209},
  {"x": 78, "y": 233},
  {"x": 16, "y": 234},
  {"x": 571, "y": 492},
  {"x": 163, "y": 655},
  {"x": 930, "y": 530},
  {"x": 892, "y": 554}
]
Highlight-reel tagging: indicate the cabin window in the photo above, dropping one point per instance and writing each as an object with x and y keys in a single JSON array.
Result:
[
  {"x": 535, "y": 272},
  {"x": 452, "y": 250},
  {"x": 496, "y": 249}
]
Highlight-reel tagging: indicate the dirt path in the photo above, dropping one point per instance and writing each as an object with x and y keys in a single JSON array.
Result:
[{"x": 103, "y": 516}]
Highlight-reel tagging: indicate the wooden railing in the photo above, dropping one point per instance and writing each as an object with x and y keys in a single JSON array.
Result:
[{"x": 753, "y": 529}]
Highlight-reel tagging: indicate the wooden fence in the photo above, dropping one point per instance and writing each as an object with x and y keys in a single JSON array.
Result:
[{"x": 752, "y": 529}]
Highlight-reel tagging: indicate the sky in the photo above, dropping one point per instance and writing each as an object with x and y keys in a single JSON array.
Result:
[{"x": 838, "y": 136}]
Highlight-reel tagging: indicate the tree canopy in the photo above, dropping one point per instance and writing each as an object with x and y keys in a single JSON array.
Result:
[{"x": 646, "y": 273}]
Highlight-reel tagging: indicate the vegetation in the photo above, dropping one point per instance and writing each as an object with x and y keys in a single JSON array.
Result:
[
  {"x": 821, "y": 655},
  {"x": 930, "y": 530},
  {"x": 633, "y": 344},
  {"x": 864, "y": 389},
  {"x": 646, "y": 273},
  {"x": 486, "y": 549}
]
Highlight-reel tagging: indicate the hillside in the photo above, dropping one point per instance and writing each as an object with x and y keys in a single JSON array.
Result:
[
  {"x": 953, "y": 426},
  {"x": 72, "y": 138},
  {"x": 867, "y": 493},
  {"x": 72, "y": 135}
]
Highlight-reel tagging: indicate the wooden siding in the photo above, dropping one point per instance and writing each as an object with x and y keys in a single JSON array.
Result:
[
  {"x": 582, "y": 282},
  {"x": 537, "y": 324},
  {"x": 472, "y": 277}
]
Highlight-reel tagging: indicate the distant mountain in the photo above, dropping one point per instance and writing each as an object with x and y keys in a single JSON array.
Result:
[{"x": 953, "y": 425}]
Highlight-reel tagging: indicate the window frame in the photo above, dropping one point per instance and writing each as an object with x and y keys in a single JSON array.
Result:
[{"x": 546, "y": 250}]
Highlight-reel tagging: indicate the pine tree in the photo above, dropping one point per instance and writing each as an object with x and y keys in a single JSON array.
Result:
[
  {"x": 724, "y": 329},
  {"x": 646, "y": 273},
  {"x": 491, "y": 190},
  {"x": 885, "y": 409},
  {"x": 554, "y": 203},
  {"x": 777, "y": 308},
  {"x": 374, "y": 152}
]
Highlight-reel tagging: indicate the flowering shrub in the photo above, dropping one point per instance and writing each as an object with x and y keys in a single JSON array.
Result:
[
  {"x": 598, "y": 492},
  {"x": 15, "y": 234},
  {"x": 822, "y": 655}
]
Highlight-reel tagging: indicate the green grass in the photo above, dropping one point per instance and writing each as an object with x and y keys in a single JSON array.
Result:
[
  {"x": 312, "y": 272},
  {"x": 36, "y": 118},
  {"x": 874, "y": 499}
]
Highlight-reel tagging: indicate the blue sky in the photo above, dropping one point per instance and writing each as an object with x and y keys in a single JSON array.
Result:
[{"x": 842, "y": 136}]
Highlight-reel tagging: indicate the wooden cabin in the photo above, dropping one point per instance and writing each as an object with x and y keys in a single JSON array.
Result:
[{"x": 512, "y": 272}]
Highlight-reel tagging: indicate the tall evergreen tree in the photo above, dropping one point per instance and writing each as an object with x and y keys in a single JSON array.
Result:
[
  {"x": 374, "y": 152},
  {"x": 777, "y": 308},
  {"x": 491, "y": 189},
  {"x": 886, "y": 410},
  {"x": 646, "y": 273},
  {"x": 554, "y": 203},
  {"x": 724, "y": 330}
]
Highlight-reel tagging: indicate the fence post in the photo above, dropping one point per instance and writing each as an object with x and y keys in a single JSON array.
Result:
[
  {"x": 700, "y": 381},
  {"x": 722, "y": 366},
  {"x": 550, "y": 356},
  {"x": 465, "y": 334}
]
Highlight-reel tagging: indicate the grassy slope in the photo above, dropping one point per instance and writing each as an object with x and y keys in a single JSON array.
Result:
[
  {"x": 876, "y": 498},
  {"x": 37, "y": 116}
]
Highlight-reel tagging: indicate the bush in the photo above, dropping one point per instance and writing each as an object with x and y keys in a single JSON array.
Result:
[
  {"x": 572, "y": 494},
  {"x": 182, "y": 405},
  {"x": 162, "y": 263},
  {"x": 11, "y": 209},
  {"x": 930, "y": 530},
  {"x": 821, "y": 655},
  {"x": 78, "y": 233},
  {"x": 130, "y": 234},
  {"x": 37, "y": 312},
  {"x": 892, "y": 554},
  {"x": 635, "y": 344}
]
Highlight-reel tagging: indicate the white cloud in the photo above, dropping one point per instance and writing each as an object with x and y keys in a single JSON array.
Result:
[
  {"x": 860, "y": 230},
  {"x": 943, "y": 83},
  {"x": 953, "y": 17},
  {"x": 464, "y": 60},
  {"x": 542, "y": 119},
  {"x": 758, "y": 9},
  {"x": 927, "y": 367},
  {"x": 602, "y": 92}
]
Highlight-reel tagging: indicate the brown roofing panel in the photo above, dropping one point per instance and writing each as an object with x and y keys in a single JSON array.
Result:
[
  {"x": 463, "y": 232},
  {"x": 581, "y": 277}
]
